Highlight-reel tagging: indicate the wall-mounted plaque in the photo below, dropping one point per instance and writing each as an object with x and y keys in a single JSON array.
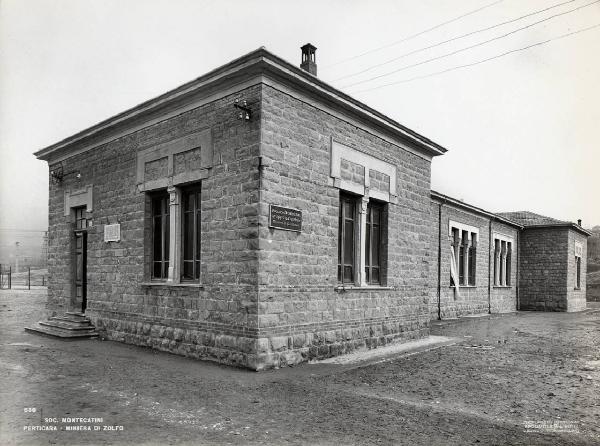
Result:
[
  {"x": 112, "y": 233},
  {"x": 285, "y": 218}
]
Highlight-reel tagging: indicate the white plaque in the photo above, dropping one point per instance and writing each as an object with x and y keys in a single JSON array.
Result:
[{"x": 112, "y": 233}]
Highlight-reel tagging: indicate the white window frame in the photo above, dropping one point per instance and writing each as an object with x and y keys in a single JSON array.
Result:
[
  {"x": 501, "y": 267},
  {"x": 365, "y": 193},
  {"x": 472, "y": 237},
  {"x": 578, "y": 248}
]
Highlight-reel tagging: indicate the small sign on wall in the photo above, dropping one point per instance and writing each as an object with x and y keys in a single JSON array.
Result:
[
  {"x": 285, "y": 218},
  {"x": 112, "y": 233}
]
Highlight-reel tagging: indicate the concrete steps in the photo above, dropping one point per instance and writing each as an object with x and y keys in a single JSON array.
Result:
[{"x": 70, "y": 326}]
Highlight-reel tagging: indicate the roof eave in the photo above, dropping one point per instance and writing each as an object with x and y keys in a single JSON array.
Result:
[
  {"x": 468, "y": 207},
  {"x": 260, "y": 59},
  {"x": 573, "y": 226}
]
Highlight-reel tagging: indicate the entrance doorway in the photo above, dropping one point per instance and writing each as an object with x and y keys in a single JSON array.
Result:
[
  {"x": 80, "y": 260},
  {"x": 81, "y": 269}
]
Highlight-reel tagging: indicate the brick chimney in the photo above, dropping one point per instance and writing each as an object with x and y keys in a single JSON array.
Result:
[
  {"x": 579, "y": 222},
  {"x": 309, "y": 61}
]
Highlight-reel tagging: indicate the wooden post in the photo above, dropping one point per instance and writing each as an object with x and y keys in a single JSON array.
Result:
[
  {"x": 9, "y": 277},
  {"x": 29, "y": 277}
]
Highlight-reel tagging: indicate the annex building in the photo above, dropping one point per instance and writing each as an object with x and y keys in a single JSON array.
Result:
[{"x": 258, "y": 217}]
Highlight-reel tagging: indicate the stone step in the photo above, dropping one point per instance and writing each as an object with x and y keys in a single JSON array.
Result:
[
  {"x": 66, "y": 325},
  {"x": 71, "y": 325},
  {"x": 60, "y": 333},
  {"x": 76, "y": 315},
  {"x": 80, "y": 322}
]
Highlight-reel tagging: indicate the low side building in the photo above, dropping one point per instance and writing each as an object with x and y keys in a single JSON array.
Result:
[
  {"x": 553, "y": 263},
  {"x": 482, "y": 249}
]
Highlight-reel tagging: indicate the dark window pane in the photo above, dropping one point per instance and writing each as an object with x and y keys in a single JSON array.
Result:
[
  {"x": 349, "y": 243},
  {"x": 348, "y": 274},
  {"x": 188, "y": 236},
  {"x": 461, "y": 264},
  {"x": 376, "y": 214},
  {"x": 198, "y": 232},
  {"x": 157, "y": 239},
  {"x": 157, "y": 269},
  {"x": 166, "y": 238},
  {"x": 191, "y": 240},
  {"x": 368, "y": 248},
  {"x": 188, "y": 270},
  {"x": 375, "y": 275},
  {"x": 375, "y": 247}
]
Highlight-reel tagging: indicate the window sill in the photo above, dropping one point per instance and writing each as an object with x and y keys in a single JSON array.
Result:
[
  {"x": 172, "y": 285},
  {"x": 342, "y": 288},
  {"x": 501, "y": 286},
  {"x": 577, "y": 289},
  {"x": 463, "y": 286}
]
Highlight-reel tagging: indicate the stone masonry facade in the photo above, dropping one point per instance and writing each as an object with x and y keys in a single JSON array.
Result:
[
  {"x": 548, "y": 278},
  {"x": 484, "y": 296},
  {"x": 255, "y": 133},
  {"x": 301, "y": 313},
  {"x": 216, "y": 321}
]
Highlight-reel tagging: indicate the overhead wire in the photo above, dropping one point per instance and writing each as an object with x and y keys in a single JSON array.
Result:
[
  {"x": 460, "y": 50},
  {"x": 420, "y": 33},
  {"x": 479, "y": 62},
  {"x": 462, "y": 36}
]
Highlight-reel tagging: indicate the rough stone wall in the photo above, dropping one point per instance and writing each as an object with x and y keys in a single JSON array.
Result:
[
  {"x": 543, "y": 269},
  {"x": 471, "y": 299},
  {"x": 217, "y": 321},
  {"x": 576, "y": 300},
  {"x": 301, "y": 315}
]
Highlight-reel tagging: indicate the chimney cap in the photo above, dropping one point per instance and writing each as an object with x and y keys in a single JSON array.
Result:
[{"x": 309, "y": 58}]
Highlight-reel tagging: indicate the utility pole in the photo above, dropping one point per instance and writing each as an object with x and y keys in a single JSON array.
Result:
[{"x": 16, "y": 257}]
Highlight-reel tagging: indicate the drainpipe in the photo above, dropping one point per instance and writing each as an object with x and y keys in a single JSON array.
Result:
[
  {"x": 439, "y": 288},
  {"x": 490, "y": 268},
  {"x": 518, "y": 252}
]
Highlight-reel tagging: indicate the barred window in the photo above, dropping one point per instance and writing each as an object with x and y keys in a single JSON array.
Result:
[
  {"x": 346, "y": 238},
  {"x": 463, "y": 254},
  {"x": 373, "y": 243},
  {"x": 160, "y": 236},
  {"x": 191, "y": 234},
  {"x": 502, "y": 262}
]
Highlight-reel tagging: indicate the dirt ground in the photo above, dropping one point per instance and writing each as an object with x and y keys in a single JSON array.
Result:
[{"x": 528, "y": 378}]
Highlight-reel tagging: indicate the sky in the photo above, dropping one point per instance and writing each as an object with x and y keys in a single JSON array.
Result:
[{"x": 520, "y": 129}]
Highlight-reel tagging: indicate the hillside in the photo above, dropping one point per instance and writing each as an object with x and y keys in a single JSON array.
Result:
[{"x": 593, "y": 266}]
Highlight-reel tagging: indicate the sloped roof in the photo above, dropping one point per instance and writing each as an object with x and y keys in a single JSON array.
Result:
[
  {"x": 469, "y": 207},
  {"x": 527, "y": 218},
  {"x": 532, "y": 220},
  {"x": 259, "y": 65}
]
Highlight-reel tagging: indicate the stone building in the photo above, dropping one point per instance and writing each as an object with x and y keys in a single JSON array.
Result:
[{"x": 258, "y": 217}]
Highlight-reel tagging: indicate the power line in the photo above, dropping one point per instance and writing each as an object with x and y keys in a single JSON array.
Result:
[
  {"x": 22, "y": 230},
  {"x": 480, "y": 61},
  {"x": 404, "y": 39},
  {"x": 410, "y": 53},
  {"x": 460, "y": 50}
]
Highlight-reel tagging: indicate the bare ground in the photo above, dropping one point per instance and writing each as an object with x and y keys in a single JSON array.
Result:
[{"x": 528, "y": 378}]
